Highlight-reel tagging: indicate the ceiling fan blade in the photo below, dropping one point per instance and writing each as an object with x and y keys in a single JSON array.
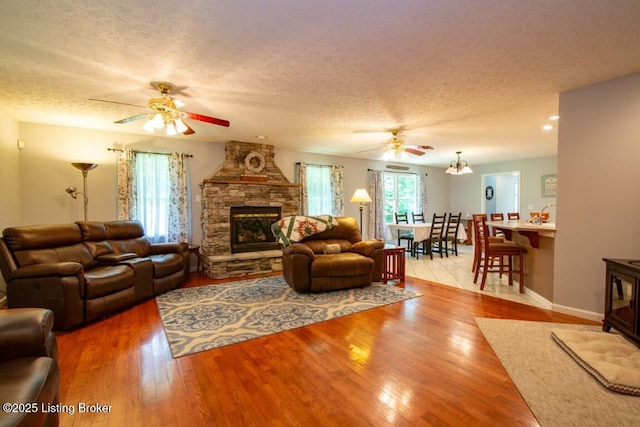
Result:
[
  {"x": 131, "y": 119},
  {"x": 119, "y": 103},
  {"x": 368, "y": 151},
  {"x": 412, "y": 151},
  {"x": 207, "y": 119},
  {"x": 189, "y": 131},
  {"x": 421, "y": 147}
]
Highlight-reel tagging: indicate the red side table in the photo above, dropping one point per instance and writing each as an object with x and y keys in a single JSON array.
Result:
[{"x": 394, "y": 259}]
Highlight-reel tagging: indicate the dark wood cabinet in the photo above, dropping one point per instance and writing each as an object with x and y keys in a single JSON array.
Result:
[{"x": 621, "y": 298}]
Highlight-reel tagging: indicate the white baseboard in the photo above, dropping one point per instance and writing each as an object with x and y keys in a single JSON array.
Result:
[
  {"x": 539, "y": 299},
  {"x": 584, "y": 314}
]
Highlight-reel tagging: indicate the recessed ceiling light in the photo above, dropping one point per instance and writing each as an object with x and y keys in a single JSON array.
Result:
[
  {"x": 261, "y": 137},
  {"x": 554, "y": 117},
  {"x": 547, "y": 127}
]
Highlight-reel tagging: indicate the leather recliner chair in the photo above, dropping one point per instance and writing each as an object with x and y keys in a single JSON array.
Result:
[
  {"x": 308, "y": 267},
  {"x": 29, "y": 373}
]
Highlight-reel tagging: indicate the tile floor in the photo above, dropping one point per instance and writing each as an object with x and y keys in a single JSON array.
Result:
[{"x": 456, "y": 271}]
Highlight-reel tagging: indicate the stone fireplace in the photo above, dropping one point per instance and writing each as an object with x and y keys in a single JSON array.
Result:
[{"x": 250, "y": 184}]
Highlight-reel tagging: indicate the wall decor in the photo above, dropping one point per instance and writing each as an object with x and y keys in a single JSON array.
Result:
[
  {"x": 488, "y": 192},
  {"x": 549, "y": 185}
]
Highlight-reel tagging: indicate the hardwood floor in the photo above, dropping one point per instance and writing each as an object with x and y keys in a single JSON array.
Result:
[{"x": 420, "y": 362}]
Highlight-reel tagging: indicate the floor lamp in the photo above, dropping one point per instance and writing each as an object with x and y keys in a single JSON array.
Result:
[
  {"x": 84, "y": 168},
  {"x": 361, "y": 196}
]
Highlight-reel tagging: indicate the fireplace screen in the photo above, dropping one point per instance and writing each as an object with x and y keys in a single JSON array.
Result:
[{"x": 251, "y": 228}]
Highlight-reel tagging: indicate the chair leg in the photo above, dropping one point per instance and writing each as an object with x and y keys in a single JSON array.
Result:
[
  {"x": 521, "y": 274},
  {"x": 484, "y": 273}
]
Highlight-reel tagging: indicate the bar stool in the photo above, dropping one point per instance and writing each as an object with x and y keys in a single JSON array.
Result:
[{"x": 488, "y": 251}]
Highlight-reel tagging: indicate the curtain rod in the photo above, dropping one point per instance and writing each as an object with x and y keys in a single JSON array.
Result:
[
  {"x": 314, "y": 164},
  {"x": 410, "y": 173},
  {"x": 146, "y": 152}
]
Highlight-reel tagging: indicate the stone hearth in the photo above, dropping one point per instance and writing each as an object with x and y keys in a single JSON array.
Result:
[{"x": 247, "y": 177}]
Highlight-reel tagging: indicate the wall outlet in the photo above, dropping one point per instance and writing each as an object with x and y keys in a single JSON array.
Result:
[
  {"x": 530, "y": 207},
  {"x": 20, "y": 144}
]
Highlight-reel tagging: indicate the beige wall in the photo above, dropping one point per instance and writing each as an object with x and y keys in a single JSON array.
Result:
[
  {"x": 9, "y": 178},
  {"x": 466, "y": 191},
  {"x": 598, "y": 188}
]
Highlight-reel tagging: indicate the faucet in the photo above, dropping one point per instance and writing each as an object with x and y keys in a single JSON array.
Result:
[{"x": 538, "y": 219}]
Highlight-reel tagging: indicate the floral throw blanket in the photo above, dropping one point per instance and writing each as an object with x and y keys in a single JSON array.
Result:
[{"x": 292, "y": 229}]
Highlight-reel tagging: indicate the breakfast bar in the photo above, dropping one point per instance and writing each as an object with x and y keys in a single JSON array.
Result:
[{"x": 539, "y": 242}]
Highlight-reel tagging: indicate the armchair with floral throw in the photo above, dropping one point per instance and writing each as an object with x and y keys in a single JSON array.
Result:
[{"x": 336, "y": 258}]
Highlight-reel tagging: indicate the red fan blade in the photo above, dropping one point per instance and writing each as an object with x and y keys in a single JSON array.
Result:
[
  {"x": 207, "y": 119},
  {"x": 412, "y": 151},
  {"x": 131, "y": 119}
]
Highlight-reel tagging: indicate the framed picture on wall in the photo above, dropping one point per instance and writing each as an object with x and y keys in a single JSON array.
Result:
[{"x": 550, "y": 185}]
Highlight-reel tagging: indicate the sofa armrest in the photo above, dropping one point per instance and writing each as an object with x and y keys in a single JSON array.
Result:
[
  {"x": 115, "y": 258},
  {"x": 26, "y": 332},
  {"x": 47, "y": 270},
  {"x": 298, "y": 248},
  {"x": 168, "y": 248},
  {"x": 366, "y": 247}
]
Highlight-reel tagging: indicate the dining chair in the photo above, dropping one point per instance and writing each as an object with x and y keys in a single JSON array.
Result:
[
  {"x": 513, "y": 215},
  {"x": 418, "y": 218},
  {"x": 476, "y": 244},
  {"x": 489, "y": 251},
  {"x": 451, "y": 234},
  {"x": 494, "y": 231},
  {"x": 403, "y": 218},
  {"x": 435, "y": 242}
]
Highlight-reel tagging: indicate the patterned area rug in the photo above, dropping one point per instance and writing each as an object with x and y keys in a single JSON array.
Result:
[{"x": 207, "y": 317}]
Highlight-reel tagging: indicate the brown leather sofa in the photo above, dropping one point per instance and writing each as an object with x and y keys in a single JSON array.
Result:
[
  {"x": 86, "y": 270},
  {"x": 306, "y": 266},
  {"x": 29, "y": 374}
]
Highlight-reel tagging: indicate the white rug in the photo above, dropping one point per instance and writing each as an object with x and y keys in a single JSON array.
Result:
[
  {"x": 207, "y": 317},
  {"x": 558, "y": 391}
]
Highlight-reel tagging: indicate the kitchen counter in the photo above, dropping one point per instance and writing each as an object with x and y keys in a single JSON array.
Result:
[
  {"x": 539, "y": 243},
  {"x": 532, "y": 231}
]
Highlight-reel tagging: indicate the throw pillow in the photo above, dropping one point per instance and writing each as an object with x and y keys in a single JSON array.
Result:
[{"x": 332, "y": 248}]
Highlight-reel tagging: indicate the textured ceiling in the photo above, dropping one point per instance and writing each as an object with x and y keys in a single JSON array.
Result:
[{"x": 324, "y": 76}]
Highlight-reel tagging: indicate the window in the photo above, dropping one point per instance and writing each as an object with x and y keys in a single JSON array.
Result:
[
  {"x": 319, "y": 194},
  {"x": 153, "y": 188},
  {"x": 400, "y": 195},
  {"x": 323, "y": 188}
]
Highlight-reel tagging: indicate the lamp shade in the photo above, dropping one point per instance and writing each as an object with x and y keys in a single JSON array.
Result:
[{"x": 361, "y": 196}]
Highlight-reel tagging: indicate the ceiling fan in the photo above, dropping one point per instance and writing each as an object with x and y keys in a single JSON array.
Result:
[
  {"x": 395, "y": 148},
  {"x": 166, "y": 113}
]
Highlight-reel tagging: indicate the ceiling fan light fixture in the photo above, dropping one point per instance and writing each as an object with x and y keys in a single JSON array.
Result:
[
  {"x": 149, "y": 125},
  {"x": 180, "y": 126},
  {"x": 171, "y": 129},
  {"x": 458, "y": 167},
  {"x": 158, "y": 121}
]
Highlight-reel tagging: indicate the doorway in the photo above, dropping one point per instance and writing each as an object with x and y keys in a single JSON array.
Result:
[{"x": 501, "y": 192}]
